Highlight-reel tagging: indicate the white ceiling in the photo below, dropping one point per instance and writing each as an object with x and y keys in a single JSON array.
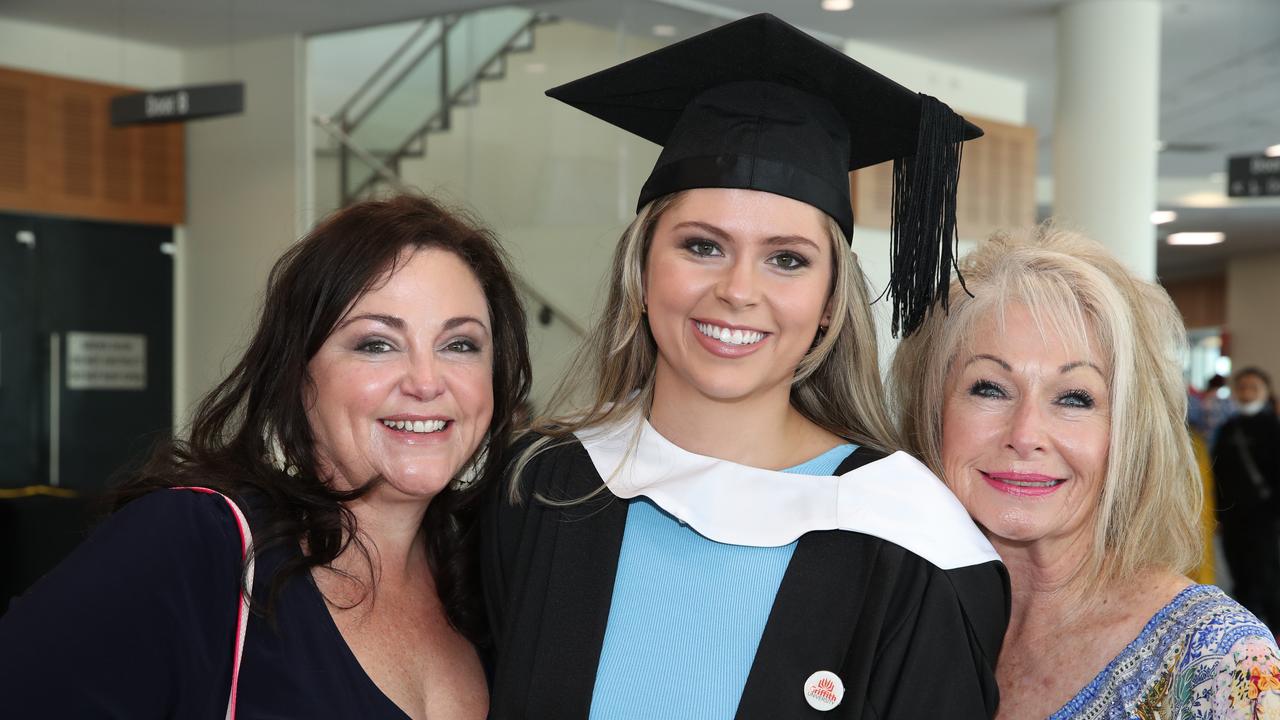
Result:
[
  {"x": 1220, "y": 65},
  {"x": 196, "y": 23}
]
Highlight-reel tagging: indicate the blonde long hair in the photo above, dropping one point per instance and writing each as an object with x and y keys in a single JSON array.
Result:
[
  {"x": 1148, "y": 513},
  {"x": 837, "y": 384}
]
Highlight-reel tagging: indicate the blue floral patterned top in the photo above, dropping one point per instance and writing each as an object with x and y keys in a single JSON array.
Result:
[{"x": 1201, "y": 657}]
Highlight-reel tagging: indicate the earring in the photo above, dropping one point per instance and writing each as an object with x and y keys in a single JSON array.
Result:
[
  {"x": 471, "y": 471},
  {"x": 275, "y": 457}
]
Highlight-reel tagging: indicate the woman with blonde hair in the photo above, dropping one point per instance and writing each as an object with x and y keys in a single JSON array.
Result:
[
  {"x": 715, "y": 529},
  {"x": 1051, "y": 401}
]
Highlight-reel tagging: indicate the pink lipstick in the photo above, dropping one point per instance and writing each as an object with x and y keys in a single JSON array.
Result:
[{"x": 1023, "y": 484}]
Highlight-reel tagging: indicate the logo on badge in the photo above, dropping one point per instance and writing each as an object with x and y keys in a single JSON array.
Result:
[{"x": 823, "y": 690}]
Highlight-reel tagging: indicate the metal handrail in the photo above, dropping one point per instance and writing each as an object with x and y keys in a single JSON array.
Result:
[
  {"x": 341, "y": 112},
  {"x": 542, "y": 300},
  {"x": 446, "y": 23},
  {"x": 453, "y": 97},
  {"x": 394, "y": 180},
  {"x": 338, "y": 133}
]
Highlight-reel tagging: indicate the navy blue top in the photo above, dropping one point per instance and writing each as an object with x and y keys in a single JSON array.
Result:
[{"x": 139, "y": 622}]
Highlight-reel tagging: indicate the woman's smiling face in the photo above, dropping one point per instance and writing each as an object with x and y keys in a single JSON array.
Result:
[
  {"x": 403, "y": 387},
  {"x": 1026, "y": 424},
  {"x": 737, "y": 283}
]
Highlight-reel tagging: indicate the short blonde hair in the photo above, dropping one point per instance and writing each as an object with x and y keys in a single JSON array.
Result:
[
  {"x": 1148, "y": 512},
  {"x": 837, "y": 384}
]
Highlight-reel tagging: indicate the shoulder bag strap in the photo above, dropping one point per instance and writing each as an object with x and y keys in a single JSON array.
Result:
[{"x": 242, "y": 615}]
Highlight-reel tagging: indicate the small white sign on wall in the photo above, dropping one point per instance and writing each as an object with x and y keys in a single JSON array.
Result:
[{"x": 106, "y": 361}]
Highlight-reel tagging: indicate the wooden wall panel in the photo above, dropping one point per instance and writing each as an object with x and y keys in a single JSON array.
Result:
[
  {"x": 997, "y": 183},
  {"x": 75, "y": 151},
  {"x": 60, "y": 155},
  {"x": 1202, "y": 300},
  {"x": 23, "y": 138}
]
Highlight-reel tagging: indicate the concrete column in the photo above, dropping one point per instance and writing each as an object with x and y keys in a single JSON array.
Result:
[{"x": 1106, "y": 124}]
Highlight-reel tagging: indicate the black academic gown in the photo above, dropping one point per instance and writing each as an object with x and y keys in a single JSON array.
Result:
[{"x": 909, "y": 640}]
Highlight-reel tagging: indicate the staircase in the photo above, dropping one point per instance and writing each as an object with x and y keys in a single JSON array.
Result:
[{"x": 439, "y": 66}]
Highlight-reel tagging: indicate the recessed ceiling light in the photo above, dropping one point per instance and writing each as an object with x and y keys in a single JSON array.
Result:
[
  {"x": 1160, "y": 217},
  {"x": 1196, "y": 238},
  {"x": 837, "y": 5},
  {"x": 664, "y": 30},
  {"x": 1273, "y": 151}
]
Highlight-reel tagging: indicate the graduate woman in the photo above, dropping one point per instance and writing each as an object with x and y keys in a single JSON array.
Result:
[{"x": 719, "y": 528}]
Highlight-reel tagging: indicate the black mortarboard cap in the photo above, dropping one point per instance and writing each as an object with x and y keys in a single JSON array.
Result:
[{"x": 760, "y": 105}]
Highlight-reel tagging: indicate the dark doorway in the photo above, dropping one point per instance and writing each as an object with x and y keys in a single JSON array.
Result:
[{"x": 86, "y": 375}]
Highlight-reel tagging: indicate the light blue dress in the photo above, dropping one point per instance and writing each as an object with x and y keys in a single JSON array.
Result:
[{"x": 687, "y": 615}]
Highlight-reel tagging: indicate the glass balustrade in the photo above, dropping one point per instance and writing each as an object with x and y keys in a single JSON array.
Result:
[{"x": 416, "y": 89}]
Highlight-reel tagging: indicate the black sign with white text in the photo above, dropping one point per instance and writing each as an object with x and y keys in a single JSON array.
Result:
[
  {"x": 178, "y": 104},
  {"x": 1253, "y": 176}
]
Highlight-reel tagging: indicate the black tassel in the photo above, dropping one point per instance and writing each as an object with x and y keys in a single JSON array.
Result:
[{"x": 923, "y": 230}]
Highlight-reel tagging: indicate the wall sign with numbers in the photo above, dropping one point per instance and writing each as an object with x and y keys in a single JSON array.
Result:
[
  {"x": 1253, "y": 176},
  {"x": 178, "y": 104}
]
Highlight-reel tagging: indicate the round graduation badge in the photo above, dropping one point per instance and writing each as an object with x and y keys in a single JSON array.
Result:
[{"x": 823, "y": 690}]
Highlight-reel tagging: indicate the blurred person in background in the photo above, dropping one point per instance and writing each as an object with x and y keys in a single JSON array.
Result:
[
  {"x": 1206, "y": 573},
  {"x": 1246, "y": 469},
  {"x": 1215, "y": 408},
  {"x": 1199, "y": 413}
]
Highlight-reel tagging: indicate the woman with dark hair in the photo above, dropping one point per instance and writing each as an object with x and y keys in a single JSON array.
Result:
[
  {"x": 353, "y": 434},
  {"x": 1246, "y": 470}
]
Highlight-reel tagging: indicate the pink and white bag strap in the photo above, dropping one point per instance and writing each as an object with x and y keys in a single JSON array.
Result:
[{"x": 242, "y": 615}]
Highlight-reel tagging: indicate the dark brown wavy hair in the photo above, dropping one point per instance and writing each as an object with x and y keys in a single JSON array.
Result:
[{"x": 260, "y": 403}]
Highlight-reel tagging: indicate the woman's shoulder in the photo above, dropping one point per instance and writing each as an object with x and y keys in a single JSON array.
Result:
[
  {"x": 1212, "y": 622},
  {"x": 1218, "y": 627},
  {"x": 1228, "y": 660},
  {"x": 896, "y": 498},
  {"x": 169, "y": 547},
  {"x": 548, "y": 465},
  {"x": 182, "y": 518},
  {"x": 145, "y": 606},
  {"x": 925, "y": 541}
]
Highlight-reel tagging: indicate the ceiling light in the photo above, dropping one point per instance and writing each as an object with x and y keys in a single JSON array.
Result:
[
  {"x": 1209, "y": 199},
  {"x": 1160, "y": 217},
  {"x": 1273, "y": 151},
  {"x": 837, "y": 5},
  {"x": 664, "y": 30},
  {"x": 1196, "y": 238}
]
